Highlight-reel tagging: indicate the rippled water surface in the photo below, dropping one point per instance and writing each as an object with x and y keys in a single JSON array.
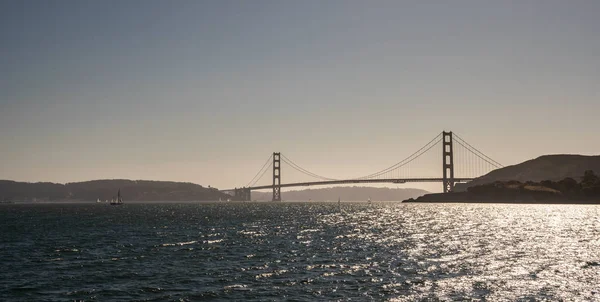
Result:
[{"x": 299, "y": 251}]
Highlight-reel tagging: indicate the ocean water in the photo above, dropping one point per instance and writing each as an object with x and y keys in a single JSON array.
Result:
[{"x": 299, "y": 252}]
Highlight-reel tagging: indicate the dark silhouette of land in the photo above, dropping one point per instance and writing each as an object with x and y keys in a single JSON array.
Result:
[
  {"x": 582, "y": 189},
  {"x": 546, "y": 167},
  {"x": 345, "y": 194},
  {"x": 131, "y": 190}
]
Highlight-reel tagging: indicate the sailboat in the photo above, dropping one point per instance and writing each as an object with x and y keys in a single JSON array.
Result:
[
  {"x": 117, "y": 202},
  {"x": 369, "y": 200},
  {"x": 98, "y": 201}
]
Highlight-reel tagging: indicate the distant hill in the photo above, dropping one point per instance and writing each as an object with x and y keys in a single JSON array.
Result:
[
  {"x": 547, "y": 167},
  {"x": 139, "y": 190},
  {"x": 344, "y": 193}
]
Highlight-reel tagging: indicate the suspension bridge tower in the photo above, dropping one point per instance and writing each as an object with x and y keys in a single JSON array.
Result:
[
  {"x": 276, "y": 176},
  {"x": 448, "y": 161}
]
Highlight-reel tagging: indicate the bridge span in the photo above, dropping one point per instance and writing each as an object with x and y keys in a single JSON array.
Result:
[
  {"x": 245, "y": 193},
  {"x": 473, "y": 161},
  {"x": 357, "y": 181}
]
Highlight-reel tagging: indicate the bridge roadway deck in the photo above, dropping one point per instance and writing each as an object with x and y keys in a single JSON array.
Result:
[{"x": 353, "y": 181}]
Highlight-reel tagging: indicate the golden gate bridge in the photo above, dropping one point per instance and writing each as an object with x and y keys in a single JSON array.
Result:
[{"x": 462, "y": 158}]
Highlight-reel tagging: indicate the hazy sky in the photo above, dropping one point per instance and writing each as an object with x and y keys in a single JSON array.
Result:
[{"x": 205, "y": 91}]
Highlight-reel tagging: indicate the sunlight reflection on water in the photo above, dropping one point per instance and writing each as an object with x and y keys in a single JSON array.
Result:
[{"x": 318, "y": 251}]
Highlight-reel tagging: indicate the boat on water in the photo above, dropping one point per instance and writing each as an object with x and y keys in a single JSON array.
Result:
[
  {"x": 98, "y": 201},
  {"x": 118, "y": 201},
  {"x": 369, "y": 200}
]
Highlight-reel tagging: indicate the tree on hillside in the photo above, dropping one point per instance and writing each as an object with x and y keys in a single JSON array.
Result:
[
  {"x": 589, "y": 178},
  {"x": 590, "y": 184},
  {"x": 568, "y": 185}
]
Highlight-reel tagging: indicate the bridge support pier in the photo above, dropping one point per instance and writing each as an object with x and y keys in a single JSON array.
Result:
[
  {"x": 242, "y": 194},
  {"x": 276, "y": 176},
  {"x": 448, "y": 161}
]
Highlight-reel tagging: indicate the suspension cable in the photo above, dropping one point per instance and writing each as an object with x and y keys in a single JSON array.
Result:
[
  {"x": 253, "y": 178},
  {"x": 261, "y": 176},
  {"x": 300, "y": 169},
  {"x": 413, "y": 159},
  {"x": 404, "y": 161},
  {"x": 490, "y": 159},
  {"x": 484, "y": 159}
]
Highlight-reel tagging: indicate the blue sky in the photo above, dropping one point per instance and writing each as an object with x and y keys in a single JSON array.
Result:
[{"x": 205, "y": 91}]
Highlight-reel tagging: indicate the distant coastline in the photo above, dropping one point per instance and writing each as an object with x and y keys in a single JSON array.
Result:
[
  {"x": 354, "y": 193},
  {"x": 131, "y": 190}
]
